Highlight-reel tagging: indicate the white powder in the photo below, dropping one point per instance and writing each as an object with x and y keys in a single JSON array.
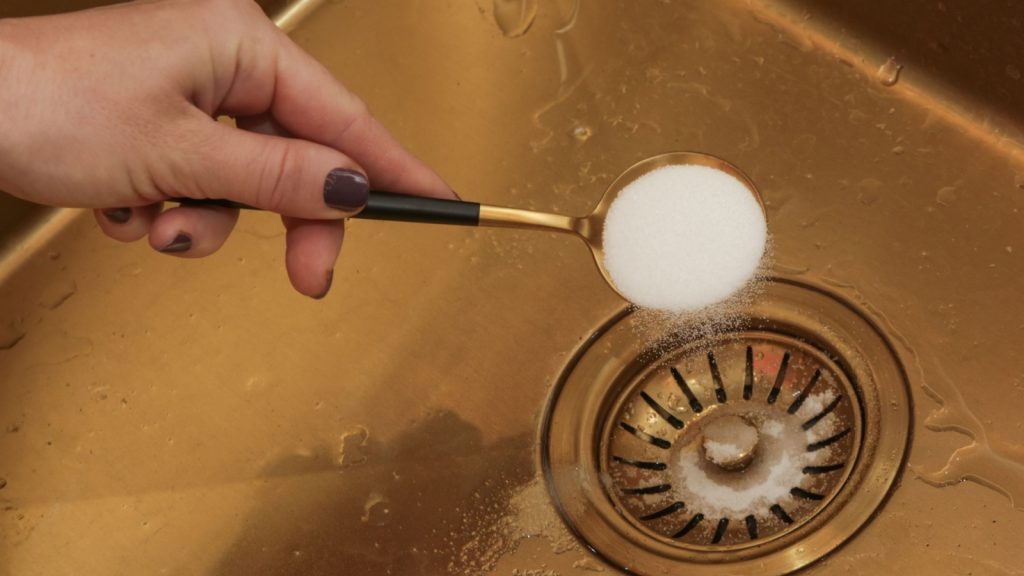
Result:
[
  {"x": 714, "y": 499},
  {"x": 721, "y": 451},
  {"x": 815, "y": 403},
  {"x": 778, "y": 468},
  {"x": 772, "y": 428},
  {"x": 681, "y": 238}
]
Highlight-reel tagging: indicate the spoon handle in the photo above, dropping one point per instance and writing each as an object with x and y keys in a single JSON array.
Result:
[
  {"x": 386, "y": 206},
  {"x": 400, "y": 207},
  {"x": 403, "y": 208}
]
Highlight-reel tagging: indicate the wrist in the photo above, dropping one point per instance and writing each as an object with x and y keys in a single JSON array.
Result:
[
  {"x": 4, "y": 49},
  {"x": 7, "y": 56},
  {"x": 9, "y": 112}
]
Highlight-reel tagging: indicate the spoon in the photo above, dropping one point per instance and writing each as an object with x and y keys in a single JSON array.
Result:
[{"x": 399, "y": 207}]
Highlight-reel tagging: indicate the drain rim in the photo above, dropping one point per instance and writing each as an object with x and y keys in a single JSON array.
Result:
[{"x": 571, "y": 460}]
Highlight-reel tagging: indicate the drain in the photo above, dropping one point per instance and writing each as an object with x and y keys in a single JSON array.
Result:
[
  {"x": 748, "y": 439},
  {"x": 735, "y": 453}
]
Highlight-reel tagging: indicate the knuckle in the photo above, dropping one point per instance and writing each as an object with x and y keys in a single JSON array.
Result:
[
  {"x": 358, "y": 114},
  {"x": 278, "y": 170},
  {"x": 231, "y": 9},
  {"x": 359, "y": 106}
]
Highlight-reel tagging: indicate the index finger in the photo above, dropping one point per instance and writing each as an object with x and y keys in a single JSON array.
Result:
[{"x": 311, "y": 104}]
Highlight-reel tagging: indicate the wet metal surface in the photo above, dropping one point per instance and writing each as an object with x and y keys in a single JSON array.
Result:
[{"x": 170, "y": 416}]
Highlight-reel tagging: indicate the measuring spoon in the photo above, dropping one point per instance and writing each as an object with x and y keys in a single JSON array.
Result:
[{"x": 399, "y": 207}]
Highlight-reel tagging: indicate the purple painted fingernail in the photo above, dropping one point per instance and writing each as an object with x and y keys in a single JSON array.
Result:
[
  {"x": 327, "y": 288},
  {"x": 181, "y": 243},
  {"x": 346, "y": 189},
  {"x": 118, "y": 215}
]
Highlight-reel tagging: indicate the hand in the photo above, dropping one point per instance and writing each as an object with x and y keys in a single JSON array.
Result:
[{"x": 115, "y": 109}]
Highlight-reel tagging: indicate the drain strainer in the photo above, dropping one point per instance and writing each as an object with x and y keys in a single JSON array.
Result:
[{"x": 765, "y": 448}]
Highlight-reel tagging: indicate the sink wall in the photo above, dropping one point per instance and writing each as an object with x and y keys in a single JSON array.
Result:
[{"x": 160, "y": 415}]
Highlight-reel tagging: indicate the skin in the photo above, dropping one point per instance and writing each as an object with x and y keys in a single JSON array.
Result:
[{"x": 116, "y": 107}]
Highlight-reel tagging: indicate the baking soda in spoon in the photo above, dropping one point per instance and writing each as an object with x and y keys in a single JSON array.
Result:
[{"x": 682, "y": 238}]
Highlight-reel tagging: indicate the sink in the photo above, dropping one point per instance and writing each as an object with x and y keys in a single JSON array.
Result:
[{"x": 160, "y": 415}]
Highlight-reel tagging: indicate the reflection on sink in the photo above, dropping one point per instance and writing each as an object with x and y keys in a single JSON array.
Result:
[{"x": 198, "y": 417}]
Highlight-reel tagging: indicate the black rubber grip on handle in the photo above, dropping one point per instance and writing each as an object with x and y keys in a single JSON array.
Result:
[
  {"x": 391, "y": 206},
  {"x": 386, "y": 206}
]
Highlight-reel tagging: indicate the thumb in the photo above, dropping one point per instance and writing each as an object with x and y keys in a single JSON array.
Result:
[{"x": 289, "y": 176}]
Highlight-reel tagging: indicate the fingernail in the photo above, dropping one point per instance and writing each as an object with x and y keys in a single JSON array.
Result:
[
  {"x": 346, "y": 189},
  {"x": 327, "y": 288},
  {"x": 181, "y": 243},
  {"x": 118, "y": 215}
]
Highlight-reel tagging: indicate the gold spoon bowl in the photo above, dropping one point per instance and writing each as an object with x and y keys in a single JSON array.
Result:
[{"x": 590, "y": 228}]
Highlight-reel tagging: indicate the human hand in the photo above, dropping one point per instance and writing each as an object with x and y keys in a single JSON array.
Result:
[{"x": 115, "y": 109}]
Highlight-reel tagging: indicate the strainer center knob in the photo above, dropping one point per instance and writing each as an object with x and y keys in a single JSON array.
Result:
[{"x": 730, "y": 442}]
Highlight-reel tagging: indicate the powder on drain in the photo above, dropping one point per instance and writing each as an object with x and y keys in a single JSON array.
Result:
[{"x": 681, "y": 238}]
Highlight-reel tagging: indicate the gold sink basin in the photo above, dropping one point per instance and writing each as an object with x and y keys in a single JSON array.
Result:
[{"x": 198, "y": 417}]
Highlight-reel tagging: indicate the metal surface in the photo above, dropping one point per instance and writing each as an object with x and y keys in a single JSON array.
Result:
[{"x": 168, "y": 416}]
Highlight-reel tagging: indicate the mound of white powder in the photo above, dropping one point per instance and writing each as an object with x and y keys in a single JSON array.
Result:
[{"x": 681, "y": 238}]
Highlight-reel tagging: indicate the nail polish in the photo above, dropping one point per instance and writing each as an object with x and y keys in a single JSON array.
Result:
[
  {"x": 346, "y": 189},
  {"x": 181, "y": 243},
  {"x": 327, "y": 288},
  {"x": 118, "y": 215}
]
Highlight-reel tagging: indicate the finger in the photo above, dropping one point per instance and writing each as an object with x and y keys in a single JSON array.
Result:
[
  {"x": 311, "y": 104},
  {"x": 266, "y": 124},
  {"x": 312, "y": 250},
  {"x": 290, "y": 176},
  {"x": 127, "y": 224},
  {"x": 312, "y": 245},
  {"x": 192, "y": 232}
]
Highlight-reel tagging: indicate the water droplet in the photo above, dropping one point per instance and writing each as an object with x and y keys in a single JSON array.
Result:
[
  {"x": 3, "y": 483},
  {"x": 1013, "y": 72},
  {"x": 64, "y": 347},
  {"x": 856, "y": 116},
  {"x": 57, "y": 293},
  {"x": 514, "y": 17},
  {"x": 889, "y": 73},
  {"x": 53, "y": 255},
  {"x": 898, "y": 150},
  {"x": 377, "y": 510},
  {"x": 352, "y": 451},
  {"x": 870, "y": 191},
  {"x": 130, "y": 270},
  {"x": 255, "y": 383},
  {"x": 1009, "y": 249},
  {"x": 9, "y": 336},
  {"x": 946, "y": 195},
  {"x": 582, "y": 133}
]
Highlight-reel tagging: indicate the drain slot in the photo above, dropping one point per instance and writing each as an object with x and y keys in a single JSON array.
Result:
[
  {"x": 660, "y": 410},
  {"x": 695, "y": 404},
  {"x": 773, "y": 395}
]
